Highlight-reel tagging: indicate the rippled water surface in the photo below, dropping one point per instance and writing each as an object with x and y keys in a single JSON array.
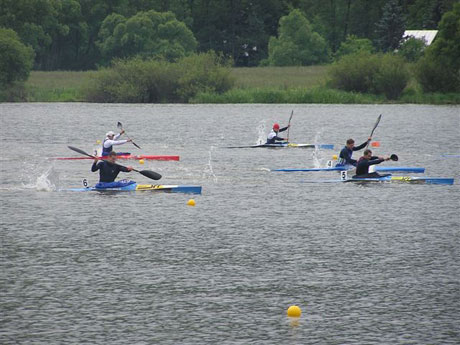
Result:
[{"x": 367, "y": 264}]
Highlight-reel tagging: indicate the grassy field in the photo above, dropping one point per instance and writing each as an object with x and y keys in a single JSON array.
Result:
[
  {"x": 56, "y": 86},
  {"x": 67, "y": 86},
  {"x": 253, "y": 85},
  {"x": 280, "y": 77}
]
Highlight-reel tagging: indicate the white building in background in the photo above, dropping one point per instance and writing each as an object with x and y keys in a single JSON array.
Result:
[{"x": 426, "y": 35}]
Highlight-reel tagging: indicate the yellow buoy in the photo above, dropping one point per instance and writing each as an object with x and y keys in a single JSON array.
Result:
[
  {"x": 191, "y": 202},
  {"x": 141, "y": 161},
  {"x": 294, "y": 311},
  {"x": 334, "y": 157},
  {"x": 98, "y": 142}
]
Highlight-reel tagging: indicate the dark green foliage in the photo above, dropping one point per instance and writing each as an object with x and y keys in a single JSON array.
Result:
[
  {"x": 158, "y": 81},
  {"x": 365, "y": 72},
  {"x": 355, "y": 72},
  {"x": 392, "y": 76},
  {"x": 64, "y": 33},
  {"x": 147, "y": 34},
  {"x": 353, "y": 45},
  {"x": 426, "y": 14},
  {"x": 412, "y": 49},
  {"x": 391, "y": 26},
  {"x": 439, "y": 69},
  {"x": 16, "y": 59},
  {"x": 297, "y": 44}
]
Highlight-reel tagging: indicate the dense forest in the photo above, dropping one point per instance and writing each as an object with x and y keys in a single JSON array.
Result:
[{"x": 86, "y": 34}]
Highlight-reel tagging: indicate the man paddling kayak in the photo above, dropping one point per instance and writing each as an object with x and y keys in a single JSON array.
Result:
[
  {"x": 362, "y": 168},
  {"x": 347, "y": 151},
  {"x": 110, "y": 140},
  {"x": 108, "y": 170},
  {"x": 273, "y": 137}
]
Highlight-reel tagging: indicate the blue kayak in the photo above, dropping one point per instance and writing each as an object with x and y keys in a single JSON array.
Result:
[
  {"x": 143, "y": 187},
  {"x": 350, "y": 167},
  {"x": 389, "y": 178}
]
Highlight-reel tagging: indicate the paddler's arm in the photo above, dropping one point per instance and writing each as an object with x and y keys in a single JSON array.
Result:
[
  {"x": 95, "y": 166},
  {"x": 125, "y": 169},
  {"x": 363, "y": 145},
  {"x": 116, "y": 136},
  {"x": 378, "y": 160},
  {"x": 115, "y": 142},
  {"x": 283, "y": 129}
]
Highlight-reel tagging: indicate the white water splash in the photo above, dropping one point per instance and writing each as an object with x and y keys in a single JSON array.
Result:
[
  {"x": 316, "y": 154},
  {"x": 261, "y": 135},
  {"x": 47, "y": 181},
  {"x": 208, "y": 171}
]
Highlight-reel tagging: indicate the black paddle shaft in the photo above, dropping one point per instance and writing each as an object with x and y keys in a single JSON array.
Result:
[
  {"x": 120, "y": 126},
  {"x": 147, "y": 173}
]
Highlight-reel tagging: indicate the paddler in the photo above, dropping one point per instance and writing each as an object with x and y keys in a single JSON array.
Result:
[
  {"x": 273, "y": 137},
  {"x": 112, "y": 139},
  {"x": 362, "y": 168},
  {"x": 347, "y": 152},
  {"x": 108, "y": 169}
]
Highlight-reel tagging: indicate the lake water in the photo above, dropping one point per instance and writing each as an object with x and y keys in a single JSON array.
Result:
[{"x": 367, "y": 264}]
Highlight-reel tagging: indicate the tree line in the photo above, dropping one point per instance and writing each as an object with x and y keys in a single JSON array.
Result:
[
  {"x": 85, "y": 34},
  {"x": 140, "y": 46}
]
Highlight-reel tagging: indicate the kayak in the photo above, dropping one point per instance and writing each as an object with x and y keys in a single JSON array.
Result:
[
  {"x": 389, "y": 178},
  {"x": 450, "y": 156},
  {"x": 188, "y": 189},
  {"x": 286, "y": 145},
  {"x": 350, "y": 167},
  {"x": 136, "y": 157}
]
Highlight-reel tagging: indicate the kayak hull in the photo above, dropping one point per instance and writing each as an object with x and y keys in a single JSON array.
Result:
[
  {"x": 416, "y": 170},
  {"x": 187, "y": 189},
  {"x": 403, "y": 179},
  {"x": 286, "y": 145},
  {"x": 136, "y": 157}
]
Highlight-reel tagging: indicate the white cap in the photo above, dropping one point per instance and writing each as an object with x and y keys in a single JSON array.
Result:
[{"x": 109, "y": 133}]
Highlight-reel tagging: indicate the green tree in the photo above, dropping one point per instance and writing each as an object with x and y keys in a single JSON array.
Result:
[
  {"x": 297, "y": 44},
  {"x": 390, "y": 28},
  {"x": 426, "y": 14},
  {"x": 439, "y": 69},
  {"x": 353, "y": 44},
  {"x": 392, "y": 76},
  {"x": 148, "y": 34},
  {"x": 412, "y": 49},
  {"x": 16, "y": 59}
]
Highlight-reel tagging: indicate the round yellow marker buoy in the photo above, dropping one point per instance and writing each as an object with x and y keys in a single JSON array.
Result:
[
  {"x": 294, "y": 311},
  {"x": 141, "y": 161},
  {"x": 98, "y": 142},
  {"x": 334, "y": 157},
  {"x": 191, "y": 202},
  {"x": 375, "y": 144}
]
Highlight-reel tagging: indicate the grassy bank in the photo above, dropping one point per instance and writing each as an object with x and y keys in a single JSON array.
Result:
[
  {"x": 253, "y": 85},
  {"x": 57, "y": 86}
]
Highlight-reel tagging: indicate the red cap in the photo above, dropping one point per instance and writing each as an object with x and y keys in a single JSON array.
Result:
[{"x": 276, "y": 126}]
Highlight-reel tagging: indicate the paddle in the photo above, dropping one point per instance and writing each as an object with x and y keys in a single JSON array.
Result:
[
  {"x": 147, "y": 173},
  {"x": 120, "y": 126},
  {"x": 375, "y": 126},
  {"x": 289, "y": 125},
  {"x": 393, "y": 157}
]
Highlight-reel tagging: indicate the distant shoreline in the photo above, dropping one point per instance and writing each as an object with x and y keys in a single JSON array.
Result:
[{"x": 295, "y": 85}]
